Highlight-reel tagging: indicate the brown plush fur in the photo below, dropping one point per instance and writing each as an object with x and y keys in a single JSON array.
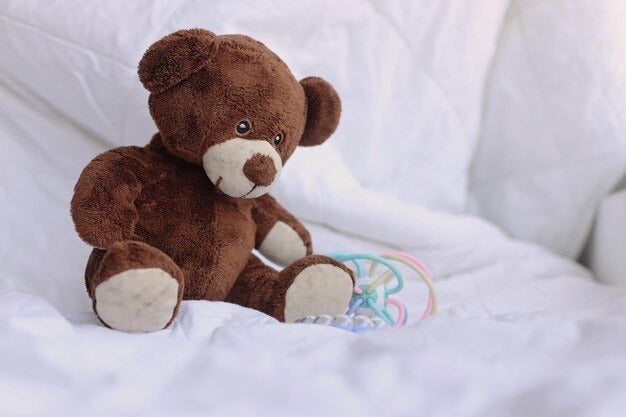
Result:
[
  {"x": 154, "y": 206},
  {"x": 322, "y": 111}
]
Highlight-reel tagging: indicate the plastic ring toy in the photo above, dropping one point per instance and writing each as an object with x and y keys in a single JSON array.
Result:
[{"x": 369, "y": 307}]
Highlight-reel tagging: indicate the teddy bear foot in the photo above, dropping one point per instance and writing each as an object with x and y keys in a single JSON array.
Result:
[
  {"x": 136, "y": 288},
  {"x": 137, "y": 300},
  {"x": 320, "y": 288}
]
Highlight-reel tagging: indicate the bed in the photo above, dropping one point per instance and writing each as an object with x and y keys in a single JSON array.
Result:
[{"x": 486, "y": 138}]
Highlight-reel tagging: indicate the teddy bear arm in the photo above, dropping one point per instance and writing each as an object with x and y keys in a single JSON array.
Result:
[
  {"x": 102, "y": 206},
  {"x": 280, "y": 236}
]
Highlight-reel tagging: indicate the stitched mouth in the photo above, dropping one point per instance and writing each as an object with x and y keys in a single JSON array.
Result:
[
  {"x": 246, "y": 194},
  {"x": 219, "y": 181}
]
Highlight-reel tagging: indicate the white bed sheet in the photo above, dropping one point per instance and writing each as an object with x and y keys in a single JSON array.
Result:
[{"x": 521, "y": 331}]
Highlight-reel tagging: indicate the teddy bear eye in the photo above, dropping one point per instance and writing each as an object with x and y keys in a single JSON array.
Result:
[
  {"x": 243, "y": 127},
  {"x": 278, "y": 138}
]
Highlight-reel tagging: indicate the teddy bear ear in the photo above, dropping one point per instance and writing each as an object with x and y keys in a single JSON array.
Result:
[
  {"x": 323, "y": 111},
  {"x": 174, "y": 58}
]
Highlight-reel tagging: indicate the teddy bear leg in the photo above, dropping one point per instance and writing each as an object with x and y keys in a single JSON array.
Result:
[
  {"x": 312, "y": 285},
  {"x": 134, "y": 287}
]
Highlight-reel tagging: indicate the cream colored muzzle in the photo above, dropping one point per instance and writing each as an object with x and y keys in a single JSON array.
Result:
[{"x": 224, "y": 162}]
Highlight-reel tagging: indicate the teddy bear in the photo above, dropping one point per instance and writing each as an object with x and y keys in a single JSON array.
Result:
[{"x": 178, "y": 219}]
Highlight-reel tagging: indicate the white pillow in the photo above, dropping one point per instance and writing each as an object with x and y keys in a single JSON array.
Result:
[
  {"x": 410, "y": 74},
  {"x": 606, "y": 253},
  {"x": 41, "y": 156},
  {"x": 554, "y": 135}
]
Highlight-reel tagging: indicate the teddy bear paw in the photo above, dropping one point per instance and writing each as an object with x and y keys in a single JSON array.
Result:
[
  {"x": 318, "y": 289},
  {"x": 137, "y": 300}
]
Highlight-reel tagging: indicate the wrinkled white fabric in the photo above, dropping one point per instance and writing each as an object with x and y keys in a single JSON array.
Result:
[
  {"x": 521, "y": 331},
  {"x": 607, "y": 246},
  {"x": 553, "y": 138}
]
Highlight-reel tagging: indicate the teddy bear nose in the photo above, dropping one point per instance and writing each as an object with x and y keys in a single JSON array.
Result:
[{"x": 260, "y": 169}]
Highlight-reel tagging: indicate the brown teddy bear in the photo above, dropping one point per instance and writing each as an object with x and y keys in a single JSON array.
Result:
[{"x": 179, "y": 218}]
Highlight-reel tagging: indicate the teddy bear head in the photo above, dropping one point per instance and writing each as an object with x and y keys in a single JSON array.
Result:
[{"x": 230, "y": 104}]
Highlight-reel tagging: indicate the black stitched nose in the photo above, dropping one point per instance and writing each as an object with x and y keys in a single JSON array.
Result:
[{"x": 260, "y": 169}]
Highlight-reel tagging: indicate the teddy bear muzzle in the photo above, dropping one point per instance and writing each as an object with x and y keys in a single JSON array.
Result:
[{"x": 242, "y": 168}]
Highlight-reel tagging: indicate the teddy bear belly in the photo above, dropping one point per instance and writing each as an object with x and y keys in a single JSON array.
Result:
[{"x": 195, "y": 230}]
